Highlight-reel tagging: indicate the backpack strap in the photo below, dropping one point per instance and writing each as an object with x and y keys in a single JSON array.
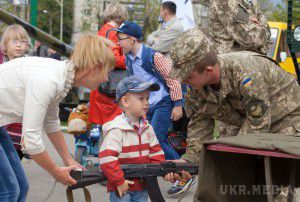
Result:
[
  {"x": 87, "y": 195},
  {"x": 108, "y": 31}
]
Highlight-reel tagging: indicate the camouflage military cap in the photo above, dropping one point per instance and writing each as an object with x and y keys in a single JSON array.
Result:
[{"x": 189, "y": 49}]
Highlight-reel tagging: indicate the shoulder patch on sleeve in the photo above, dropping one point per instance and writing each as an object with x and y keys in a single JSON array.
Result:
[{"x": 256, "y": 108}]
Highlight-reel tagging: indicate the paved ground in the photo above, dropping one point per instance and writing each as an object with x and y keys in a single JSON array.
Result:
[{"x": 41, "y": 183}]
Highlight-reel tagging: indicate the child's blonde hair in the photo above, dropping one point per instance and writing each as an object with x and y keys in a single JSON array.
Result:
[
  {"x": 13, "y": 32},
  {"x": 91, "y": 50},
  {"x": 115, "y": 11}
]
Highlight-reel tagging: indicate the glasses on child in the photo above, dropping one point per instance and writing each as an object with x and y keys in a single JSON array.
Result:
[
  {"x": 16, "y": 41},
  {"x": 120, "y": 39}
]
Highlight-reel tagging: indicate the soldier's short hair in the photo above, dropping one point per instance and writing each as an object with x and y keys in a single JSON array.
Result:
[
  {"x": 210, "y": 59},
  {"x": 170, "y": 6},
  {"x": 91, "y": 50},
  {"x": 13, "y": 32},
  {"x": 116, "y": 12}
]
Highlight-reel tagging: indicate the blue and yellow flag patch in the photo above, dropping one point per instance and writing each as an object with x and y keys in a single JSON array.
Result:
[{"x": 246, "y": 86}]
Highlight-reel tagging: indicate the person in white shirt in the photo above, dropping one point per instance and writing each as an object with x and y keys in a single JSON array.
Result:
[
  {"x": 162, "y": 39},
  {"x": 31, "y": 89}
]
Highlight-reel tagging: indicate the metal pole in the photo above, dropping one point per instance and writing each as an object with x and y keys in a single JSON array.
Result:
[
  {"x": 61, "y": 19},
  {"x": 33, "y": 12}
]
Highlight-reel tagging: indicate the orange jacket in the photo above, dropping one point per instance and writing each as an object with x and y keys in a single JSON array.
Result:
[{"x": 102, "y": 107}]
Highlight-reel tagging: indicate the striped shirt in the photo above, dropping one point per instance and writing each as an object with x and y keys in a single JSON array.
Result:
[
  {"x": 126, "y": 143},
  {"x": 164, "y": 66}
]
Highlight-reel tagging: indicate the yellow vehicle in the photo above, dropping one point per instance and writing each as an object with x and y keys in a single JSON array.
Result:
[{"x": 280, "y": 50}]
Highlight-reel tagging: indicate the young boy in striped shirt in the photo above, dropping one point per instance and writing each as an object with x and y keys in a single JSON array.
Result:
[{"x": 129, "y": 139}]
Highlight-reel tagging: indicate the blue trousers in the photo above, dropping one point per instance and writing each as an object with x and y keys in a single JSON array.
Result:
[
  {"x": 13, "y": 182},
  {"x": 159, "y": 117},
  {"x": 130, "y": 196}
]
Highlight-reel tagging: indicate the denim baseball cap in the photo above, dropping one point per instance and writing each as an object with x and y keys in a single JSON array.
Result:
[
  {"x": 134, "y": 84},
  {"x": 131, "y": 29}
]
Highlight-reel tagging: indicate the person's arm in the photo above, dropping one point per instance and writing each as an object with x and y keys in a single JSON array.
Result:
[
  {"x": 38, "y": 94},
  {"x": 59, "y": 143},
  {"x": 152, "y": 37},
  {"x": 256, "y": 102},
  {"x": 156, "y": 153},
  {"x": 109, "y": 152},
  {"x": 237, "y": 22},
  {"x": 166, "y": 37},
  {"x": 164, "y": 65},
  {"x": 61, "y": 174},
  {"x": 200, "y": 129}
]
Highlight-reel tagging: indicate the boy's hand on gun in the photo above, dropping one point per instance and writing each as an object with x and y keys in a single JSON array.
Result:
[{"x": 123, "y": 188}]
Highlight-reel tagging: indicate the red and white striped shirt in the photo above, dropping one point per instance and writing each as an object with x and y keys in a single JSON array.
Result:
[
  {"x": 164, "y": 66},
  {"x": 127, "y": 144}
]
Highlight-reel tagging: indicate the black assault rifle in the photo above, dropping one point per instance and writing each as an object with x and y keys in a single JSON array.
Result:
[{"x": 148, "y": 172}]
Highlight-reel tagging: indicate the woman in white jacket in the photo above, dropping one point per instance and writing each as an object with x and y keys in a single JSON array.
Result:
[{"x": 30, "y": 91}]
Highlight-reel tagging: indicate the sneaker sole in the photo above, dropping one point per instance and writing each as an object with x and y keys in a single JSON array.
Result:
[{"x": 183, "y": 190}]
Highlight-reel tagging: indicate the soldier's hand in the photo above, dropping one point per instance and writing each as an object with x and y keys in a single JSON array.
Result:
[
  {"x": 178, "y": 161},
  {"x": 172, "y": 177},
  {"x": 254, "y": 19},
  {"x": 176, "y": 113}
]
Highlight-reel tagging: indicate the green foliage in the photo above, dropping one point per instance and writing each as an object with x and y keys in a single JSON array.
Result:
[
  {"x": 280, "y": 12},
  {"x": 277, "y": 10},
  {"x": 53, "y": 14},
  {"x": 152, "y": 10},
  {"x": 9, "y": 8}
]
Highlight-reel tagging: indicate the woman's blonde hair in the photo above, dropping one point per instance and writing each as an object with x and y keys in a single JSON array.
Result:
[
  {"x": 116, "y": 12},
  {"x": 13, "y": 32},
  {"x": 91, "y": 50}
]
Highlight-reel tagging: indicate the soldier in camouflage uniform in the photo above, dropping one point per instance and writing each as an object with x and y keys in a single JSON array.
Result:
[
  {"x": 236, "y": 25},
  {"x": 244, "y": 89}
]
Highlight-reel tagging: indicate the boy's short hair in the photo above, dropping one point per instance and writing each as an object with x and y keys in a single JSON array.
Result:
[
  {"x": 134, "y": 84},
  {"x": 13, "y": 32},
  {"x": 170, "y": 6},
  {"x": 115, "y": 11},
  {"x": 210, "y": 59}
]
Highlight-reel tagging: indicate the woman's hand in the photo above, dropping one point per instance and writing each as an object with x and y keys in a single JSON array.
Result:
[
  {"x": 72, "y": 162},
  {"x": 62, "y": 175},
  {"x": 176, "y": 113}
]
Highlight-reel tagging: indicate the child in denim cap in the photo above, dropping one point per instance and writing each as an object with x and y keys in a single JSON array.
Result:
[{"x": 129, "y": 139}]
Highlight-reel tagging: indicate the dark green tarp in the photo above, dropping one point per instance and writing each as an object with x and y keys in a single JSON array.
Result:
[{"x": 230, "y": 177}]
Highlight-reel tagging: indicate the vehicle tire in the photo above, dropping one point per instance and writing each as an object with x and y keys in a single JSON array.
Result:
[{"x": 80, "y": 155}]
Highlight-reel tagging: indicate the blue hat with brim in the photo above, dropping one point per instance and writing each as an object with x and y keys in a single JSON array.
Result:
[
  {"x": 134, "y": 84},
  {"x": 131, "y": 29}
]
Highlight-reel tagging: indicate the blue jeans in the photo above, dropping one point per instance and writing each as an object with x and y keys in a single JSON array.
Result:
[
  {"x": 13, "y": 182},
  {"x": 130, "y": 196},
  {"x": 159, "y": 117}
]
